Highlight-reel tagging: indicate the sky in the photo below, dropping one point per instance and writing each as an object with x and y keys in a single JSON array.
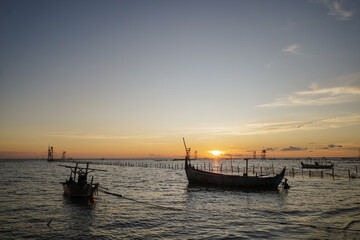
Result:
[{"x": 130, "y": 79}]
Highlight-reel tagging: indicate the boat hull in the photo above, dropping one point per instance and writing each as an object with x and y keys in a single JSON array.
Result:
[
  {"x": 195, "y": 176},
  {"x": 74, "y": 189}
]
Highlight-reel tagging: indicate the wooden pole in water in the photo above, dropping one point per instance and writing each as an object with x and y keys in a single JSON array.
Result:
[
  {"x": 333, "y": 175},
  {"x": 247, "y": 166},
  {"x": 310, "y": 173},
  {"x": 349, "y": 173},
  {"x": 75, "y": 171}
]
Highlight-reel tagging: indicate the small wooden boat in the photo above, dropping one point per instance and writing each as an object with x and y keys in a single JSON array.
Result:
[
  {"x": 316, "y": 165},
  {"x": 77, "y": 184},
  {"x": 196, "y": 176}
]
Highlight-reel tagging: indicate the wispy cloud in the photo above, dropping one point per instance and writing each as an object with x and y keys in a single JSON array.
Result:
[
  {"x": 331, "y": 146},
  {"x": 265, "y": 128},
  {"x": 291, "y": 148},
  {"x": 335, "y": 9},
  {"x": 269, "y": 149},
  {"x": 86, "y": 136},
  {"x": 293, "y": 49},
  {"x": 317, "y": 96},
  {"x": 319, "y": 124}
]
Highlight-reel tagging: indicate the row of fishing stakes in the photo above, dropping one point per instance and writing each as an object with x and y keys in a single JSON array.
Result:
[
  {"x": 332, "y": 174},
  {"x": 232, "y": 169}
]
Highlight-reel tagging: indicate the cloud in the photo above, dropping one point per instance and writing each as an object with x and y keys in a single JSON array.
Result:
[
  {"x": 334, "y": 146},
  {"x": 292, "y": 49},
  {"x": 318, "y": 97},
  {"x": 86, "y": 136},
  {"x": 291, "y": 148},
  {"x": 331, "y": 146},
  {"x": 265, "y": 128},
  {"x": 335, "y": 9},
  {"x": 269, "y": 149},
  {"x": 318, "y": 124}
]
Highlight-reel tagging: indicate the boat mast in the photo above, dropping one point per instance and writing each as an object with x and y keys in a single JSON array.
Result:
[
  {"x": 187, "y": 158},
  {"x": 86, "y": 171},
  {"x": 76, "y": 166}
]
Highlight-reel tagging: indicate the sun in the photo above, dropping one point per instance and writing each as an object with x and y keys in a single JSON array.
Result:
[{"x": 215, "y": 152}]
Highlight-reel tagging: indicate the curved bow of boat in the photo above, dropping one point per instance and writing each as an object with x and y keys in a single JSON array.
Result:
[{"x": 283, "y": 172}]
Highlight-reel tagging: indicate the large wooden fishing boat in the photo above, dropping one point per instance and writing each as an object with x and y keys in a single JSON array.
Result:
[
  {"x": 196, "y": 176},
  {"x": 77, "y": 184}
]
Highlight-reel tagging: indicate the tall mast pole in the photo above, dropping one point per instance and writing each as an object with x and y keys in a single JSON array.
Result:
[{"x": 187, "y": 158}]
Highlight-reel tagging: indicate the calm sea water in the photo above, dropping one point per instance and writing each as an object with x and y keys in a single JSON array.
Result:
[{"x": 158, "y": 203}]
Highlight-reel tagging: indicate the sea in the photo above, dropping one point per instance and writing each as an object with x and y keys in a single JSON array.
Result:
[{"x": 151, "y": 199}]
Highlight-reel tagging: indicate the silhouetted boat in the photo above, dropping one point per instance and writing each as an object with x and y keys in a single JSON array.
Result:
[
  {"x": 196, "y": 176},
  {"x": 316, "y": 165},
  {"x": 77, "y": 184}
]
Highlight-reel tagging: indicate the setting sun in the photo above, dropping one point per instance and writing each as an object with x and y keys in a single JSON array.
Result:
[{"x": 216, "y": 152}]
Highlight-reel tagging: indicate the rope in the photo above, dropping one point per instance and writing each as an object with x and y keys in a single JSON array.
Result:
[{"x": 105, "y": 190}]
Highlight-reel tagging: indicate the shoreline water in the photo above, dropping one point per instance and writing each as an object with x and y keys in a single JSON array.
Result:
[{"x": 30, "y": 195}]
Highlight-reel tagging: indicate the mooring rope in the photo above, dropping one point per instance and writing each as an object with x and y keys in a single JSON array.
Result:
[{"x": 105, "y": 190}]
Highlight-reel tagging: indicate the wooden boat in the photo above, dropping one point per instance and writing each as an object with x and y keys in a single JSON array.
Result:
[
  {"x": 316, "y": 165},
  {"x": 77, "y": 184},
  {"x": 196, "y": 176}
]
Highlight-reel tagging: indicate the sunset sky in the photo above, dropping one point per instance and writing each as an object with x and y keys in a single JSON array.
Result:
[{"x": 129, "y": 79}]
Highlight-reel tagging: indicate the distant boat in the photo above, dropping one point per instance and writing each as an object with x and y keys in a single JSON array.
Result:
[
  {"x": 196, "y": 176},
  {"x": 77, "y": 184},
  {"x": 316, "y": 165}
]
